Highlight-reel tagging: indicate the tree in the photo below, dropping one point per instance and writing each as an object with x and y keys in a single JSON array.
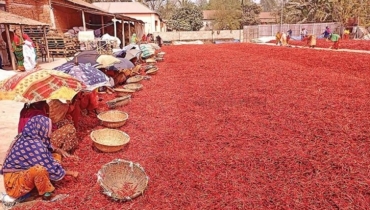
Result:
[
  {"x": 268, "y": 5},
  {"x": 202, "y": 4},
  {"x": 250, "y": 14},
  {"x": 297, "y": 11},
  {"x": 343, "y": 10},
  {"x": 186, "y": 18},
  {"x": 167, "y": 10},
  {"x": 228, "y": 14}
]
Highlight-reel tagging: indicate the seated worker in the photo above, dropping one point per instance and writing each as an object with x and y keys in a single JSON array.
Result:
[
  {"x": 310, "y": 41},
  {"x": 30, "y": 163}
]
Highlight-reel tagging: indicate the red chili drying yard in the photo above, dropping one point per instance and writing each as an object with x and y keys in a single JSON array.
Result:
[{"x": 240, "y": 126}]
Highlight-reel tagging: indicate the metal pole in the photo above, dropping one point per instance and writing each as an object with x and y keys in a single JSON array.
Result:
[{"x": 281, "y": 16}]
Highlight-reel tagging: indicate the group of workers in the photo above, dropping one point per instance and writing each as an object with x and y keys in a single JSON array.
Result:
[{"x": 310, "y": 39}]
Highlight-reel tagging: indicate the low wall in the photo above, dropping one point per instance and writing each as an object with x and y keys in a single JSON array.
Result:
[{"x": 200, "y": 35}]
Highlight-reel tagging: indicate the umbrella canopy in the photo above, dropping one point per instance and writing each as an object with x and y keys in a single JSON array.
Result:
[
  {"x": 90, "y": 76},
  {"x": 130, "y": 54},
  {"x": 86, "y": 57},
  {"x": 124, "y": 64},
  {"x": 41, "y": 85}
]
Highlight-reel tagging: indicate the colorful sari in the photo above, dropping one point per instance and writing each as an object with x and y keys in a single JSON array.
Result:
[
  {"x": 18, "y": 50},
  {"x": 29, "y": 162}
]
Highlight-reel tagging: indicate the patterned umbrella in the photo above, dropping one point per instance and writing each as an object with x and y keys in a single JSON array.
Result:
[
  {"x": 39, "y": 85},
  {"x": 125, "y": 64},
  {"x": 90, "y": 76}
]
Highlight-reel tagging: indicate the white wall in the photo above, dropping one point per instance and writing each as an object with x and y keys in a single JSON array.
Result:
[{"x": 149, "y": 20}]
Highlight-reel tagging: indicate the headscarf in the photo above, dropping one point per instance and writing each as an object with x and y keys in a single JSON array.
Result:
[
  {"x": 29, "y": 111},
  {"x": 32, "y": 148}
]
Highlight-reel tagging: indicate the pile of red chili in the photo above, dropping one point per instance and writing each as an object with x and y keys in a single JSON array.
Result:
[{"x": 240, "y": 126}]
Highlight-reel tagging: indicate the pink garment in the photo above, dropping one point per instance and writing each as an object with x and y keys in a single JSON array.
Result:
[{"x": 26, "y": 114}]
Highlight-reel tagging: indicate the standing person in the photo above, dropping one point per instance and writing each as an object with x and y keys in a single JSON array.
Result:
[
  {"x": 29, "y": 56},
  {"x": 327, "y": 32},
  {"x": 17, "y": 43},
  {"x": 134, "y": 39},
  {"x": 8, "y": 48},
  {"x": 149, "y": 38},
  {"x": 335, "y": 39},
  {"x": 346, "y": 34},
  {"x": 303, "y": 33},
  {"x": 30, "y": 163},
  {"x": 3, "y": 54},
  {"x": 289, "y": 35}
]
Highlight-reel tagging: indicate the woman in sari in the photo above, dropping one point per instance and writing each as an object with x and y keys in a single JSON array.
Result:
[
  {"x": 17, "y": 43},
  {"x": 30, "y": 163}
]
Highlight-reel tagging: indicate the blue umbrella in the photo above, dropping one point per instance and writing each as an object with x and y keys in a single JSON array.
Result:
[
  {"x": 125, "y": 64},
  {"x": 90, "y": 76}
]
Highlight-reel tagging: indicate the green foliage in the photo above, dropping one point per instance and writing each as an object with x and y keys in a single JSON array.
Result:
[
  {"x": 250, "y": 14},
  {"x": 228, "y": 14},
  {"x": 187, "y": 18},
  {"x": 303, "y": 11},
  {"x": 268, "y": 5}
]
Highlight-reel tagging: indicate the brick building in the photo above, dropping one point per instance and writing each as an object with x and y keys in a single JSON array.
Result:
[{"x": 63, "y": 15}]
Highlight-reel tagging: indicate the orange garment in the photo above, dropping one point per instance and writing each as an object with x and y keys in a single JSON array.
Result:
[{"x": 18, "y": 184}]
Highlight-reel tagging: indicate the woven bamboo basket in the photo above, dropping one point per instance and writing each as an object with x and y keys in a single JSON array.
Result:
[
  {"x": 134, "y": 79},
  {"x": 150, "y": 61},
  {"x": 122, "y": 180},
  {"x": 152, "y": 71},
  {"x": 148, "y": 67},
  {"x": 133, "y": 86},
  {"x": 113, "y": 118},
  {"x": 109, "y": 140},
  {"x": 161, "y": 55}
]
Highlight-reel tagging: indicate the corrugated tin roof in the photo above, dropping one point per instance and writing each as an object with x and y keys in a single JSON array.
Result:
[
  {"x": 91, "y": 8},
  {"x": 13, "y": 19},
  {"x": 124, "y": 7}
]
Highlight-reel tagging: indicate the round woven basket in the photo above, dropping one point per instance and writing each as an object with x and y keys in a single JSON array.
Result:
[
  {"x": 152, "y": 71},
  {"x": 122, "y": 180},
  {"x": 134, "y": 79},
  {"x": 149, "y": 67},
  {"x": 113, "y": 118},
  {"x": 109, "y": 140},
  {"x": 133, "y": 86}
]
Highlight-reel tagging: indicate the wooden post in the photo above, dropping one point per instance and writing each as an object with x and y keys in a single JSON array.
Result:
[
  {"x": 10, "y": 47},
  {"x": 83, "y": 20},
  {"x": 129, "y": 32},
  {"x": 123, "y": 34},
  {"x": 46, "y": 44},
  {"x": 21, "y": 27},
  {"x": 102, "y": 24}
]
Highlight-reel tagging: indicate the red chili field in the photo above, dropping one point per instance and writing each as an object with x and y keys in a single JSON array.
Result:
[{"x": 240, "y": 126}]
